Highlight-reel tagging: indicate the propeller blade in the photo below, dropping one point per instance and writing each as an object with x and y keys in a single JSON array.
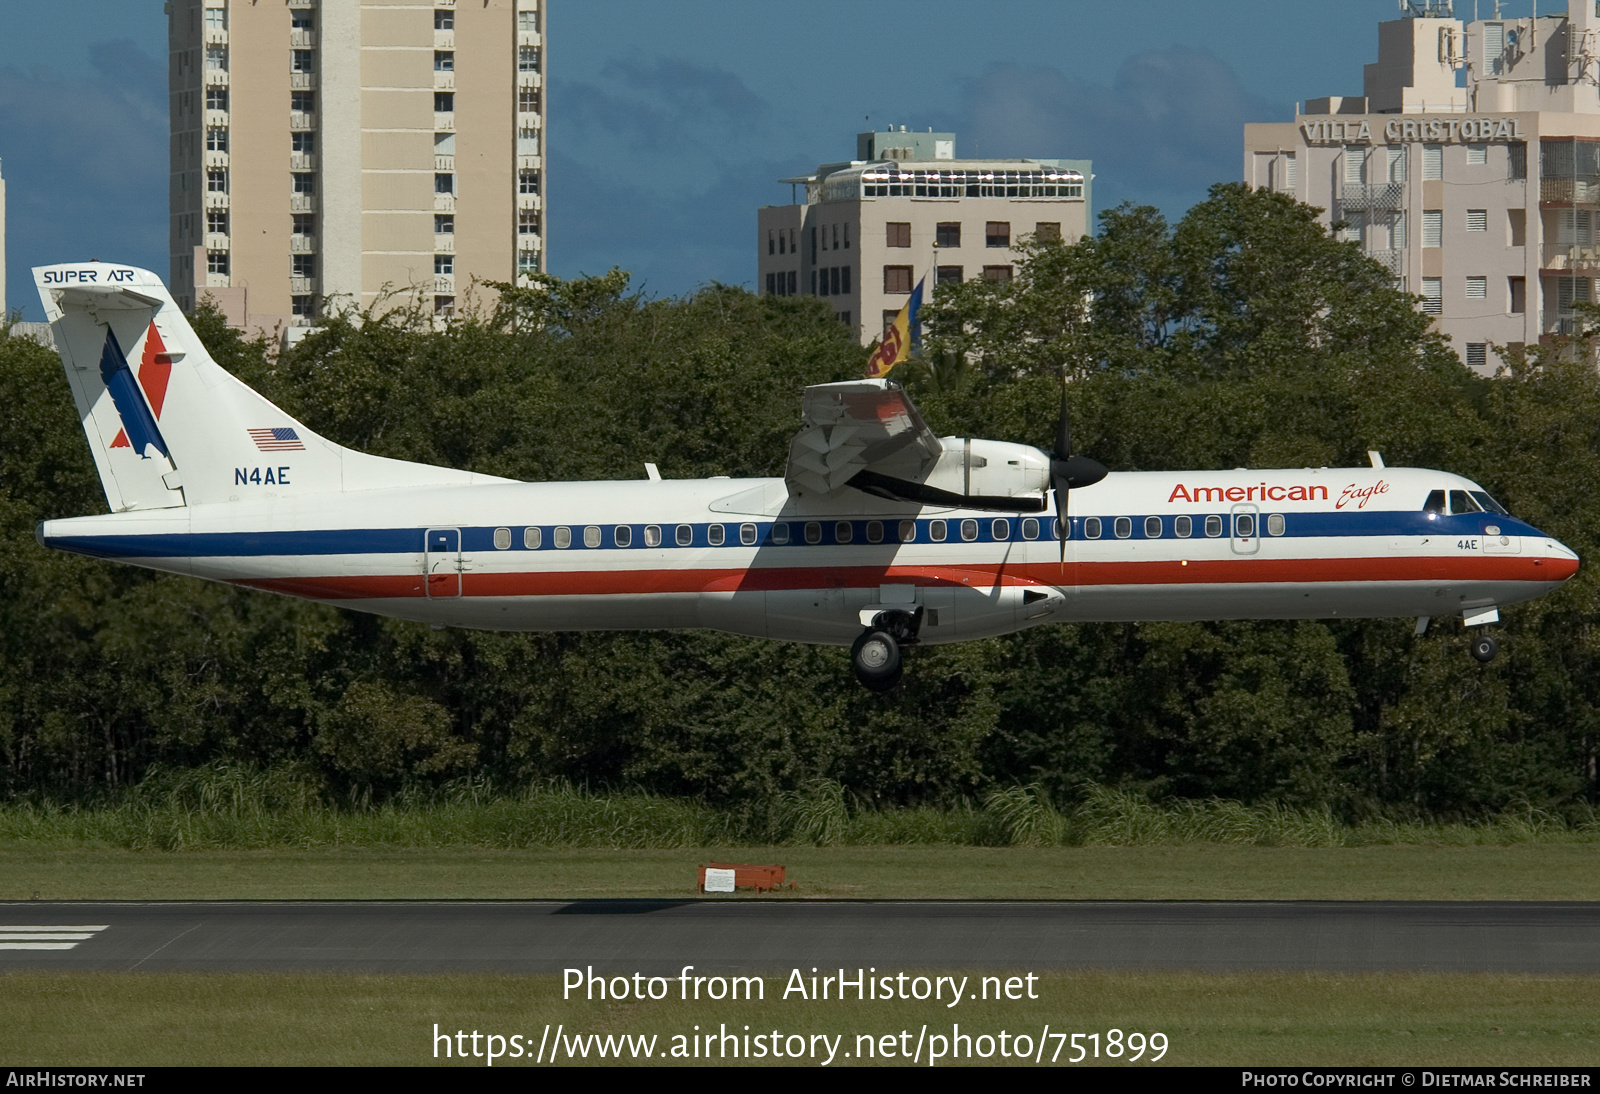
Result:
[
  {"x": 1063, "y": 428},
  {"x": 1059, "y": 486}
]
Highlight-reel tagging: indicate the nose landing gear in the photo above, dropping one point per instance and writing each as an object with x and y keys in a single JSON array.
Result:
[{"x": 875, "y": 656}]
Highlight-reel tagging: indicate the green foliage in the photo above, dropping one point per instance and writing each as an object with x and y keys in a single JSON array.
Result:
[{"x": 1243, "y": 335}]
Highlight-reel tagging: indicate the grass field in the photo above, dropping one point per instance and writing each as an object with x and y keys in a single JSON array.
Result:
[
  {"x": 131, "y": 1020},
  {"x": 1528, "y": 871}
]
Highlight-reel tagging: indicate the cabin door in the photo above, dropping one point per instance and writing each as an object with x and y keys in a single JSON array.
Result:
[{"x": 441, "y": 562}]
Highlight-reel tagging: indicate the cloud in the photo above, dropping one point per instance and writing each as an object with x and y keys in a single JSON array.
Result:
[
  {"x": 85, "y": 164},
  {"x": 1170, "y": 124},
  {"x": 660, "y": 170}
]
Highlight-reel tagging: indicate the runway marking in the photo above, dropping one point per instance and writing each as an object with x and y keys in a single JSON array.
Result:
[{"x": 53, "y": 936}]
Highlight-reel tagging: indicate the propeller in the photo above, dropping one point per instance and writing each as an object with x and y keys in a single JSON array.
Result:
[{"x": 1067, "y": 470}]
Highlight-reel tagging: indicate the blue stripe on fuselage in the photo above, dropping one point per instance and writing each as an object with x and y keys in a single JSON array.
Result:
[{"x": 392, "y": 541}]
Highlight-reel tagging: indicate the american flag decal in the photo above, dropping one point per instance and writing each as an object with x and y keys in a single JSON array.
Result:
[{"x": 282, "y": 439}]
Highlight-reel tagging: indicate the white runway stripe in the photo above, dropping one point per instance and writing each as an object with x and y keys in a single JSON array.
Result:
[{"x": 51, "y": 936}]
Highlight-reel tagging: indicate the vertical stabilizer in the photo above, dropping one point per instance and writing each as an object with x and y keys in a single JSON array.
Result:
[{"x": 168, "y": 426}]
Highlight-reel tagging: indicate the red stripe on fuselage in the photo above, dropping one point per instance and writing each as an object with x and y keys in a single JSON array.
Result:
[{"x": 1083, "y": 574}]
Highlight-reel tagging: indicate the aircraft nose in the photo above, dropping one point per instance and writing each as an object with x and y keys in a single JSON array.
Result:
[{"x": 1562, "y": 561}]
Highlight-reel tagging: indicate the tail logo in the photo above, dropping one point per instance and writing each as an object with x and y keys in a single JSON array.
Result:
[{"x": 139, "y": 429}]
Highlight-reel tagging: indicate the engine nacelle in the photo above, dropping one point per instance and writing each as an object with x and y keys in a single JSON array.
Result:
[{"x": 996, "y": 469}]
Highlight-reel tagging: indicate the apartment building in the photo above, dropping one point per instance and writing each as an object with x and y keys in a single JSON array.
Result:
[
  {"x": 906, "y": 208},
  {"x": 1469, "y": 166},
  {"x": 335, "y": 153}
]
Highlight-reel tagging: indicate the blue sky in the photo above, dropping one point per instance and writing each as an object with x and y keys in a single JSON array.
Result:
[{"x": 671, "y": 121}]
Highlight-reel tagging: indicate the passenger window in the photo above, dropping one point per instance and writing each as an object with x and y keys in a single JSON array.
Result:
[
  {"x": 652, "y": 535},
  {"x": 563, "y": 538},
  {"x": 530, "y": 538},
  {"x": 747, "y": 535},
  {"x": 1213, "y": 526},
  {"x": 874, "y": 531},
  {"x": 684, "y": 535},
  {"x": 715, "y": 534},
  {"x": 1000, "y": 529},
  {"x": 1461, "y": 502},
  {"x": 502, "y": 538},
  {"x": 908, "y": 531},
  {"x": 624, "y": 535},
  {"x": 1152, "y": 527},
  {"x": 591, "y": 535},
  {"x": 1244, "y": 525},
  {"x": 936, "y": 531},
  {"x": 1123, "y": 526},
  {"x": 813, "y": 532},
  {"x": 1275, "y": 524},
  {"x": 1435, "y": 503},
  {"x": 780, "y": 533},
  {"x": 1488, "y": 503},
  {"x": 843, "y": 532},
  {"x": 1030, "y": 527},
  {"x": 1058, "y": 532},
  {"x": 969, "y": 530},
  {"x": 1091, "y": 527},
  {"x": 1183, "y": 527}
]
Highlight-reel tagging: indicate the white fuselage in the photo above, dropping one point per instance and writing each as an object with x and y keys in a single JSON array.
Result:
[{"x": 743, "y": 556}]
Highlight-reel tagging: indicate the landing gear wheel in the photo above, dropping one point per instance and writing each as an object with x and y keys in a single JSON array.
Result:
[
  {"x": 1484, "y": 647},
  {"x": 876, "y": 659}
]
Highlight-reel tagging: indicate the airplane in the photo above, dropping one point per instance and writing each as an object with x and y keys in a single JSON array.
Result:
[{"x": 879, "y": 535}]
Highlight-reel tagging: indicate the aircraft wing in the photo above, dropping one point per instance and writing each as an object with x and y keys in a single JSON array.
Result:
[{"x": 856, "y": 426}]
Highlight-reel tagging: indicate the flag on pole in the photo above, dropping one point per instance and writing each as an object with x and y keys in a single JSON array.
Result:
[{"x": 903, "y": 333}]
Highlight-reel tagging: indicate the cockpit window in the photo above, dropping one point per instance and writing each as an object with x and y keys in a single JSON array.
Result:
[
  {"x": 1488, "y": 503},
  {"x": 1461, "y": 502},
  {"x": 1435, "y": 503}
]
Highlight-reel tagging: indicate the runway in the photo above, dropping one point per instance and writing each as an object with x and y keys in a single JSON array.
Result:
[{"x": 660, "y": 937}]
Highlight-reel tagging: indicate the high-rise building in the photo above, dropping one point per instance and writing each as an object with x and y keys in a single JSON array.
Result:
[
  {"x": 905, "y": 208},
  {"x": 1469, "y": 166},
  {"x": 334, "y": 153}
]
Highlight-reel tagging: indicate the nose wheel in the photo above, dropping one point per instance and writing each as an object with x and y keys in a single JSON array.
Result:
[
  {"x": 876, "y": 659},
  {"x": 1484, "y": 647}
]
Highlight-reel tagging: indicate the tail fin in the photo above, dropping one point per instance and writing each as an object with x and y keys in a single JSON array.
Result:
[{"x": 181, "y": 430}]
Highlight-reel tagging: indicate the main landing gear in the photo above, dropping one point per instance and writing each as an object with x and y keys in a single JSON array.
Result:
[
  {"x": 1484, "y": 647},
  {"x": 875, "y": 656}
]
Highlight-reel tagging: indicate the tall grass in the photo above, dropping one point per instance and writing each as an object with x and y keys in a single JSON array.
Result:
[{"x": 238, "y": 806}]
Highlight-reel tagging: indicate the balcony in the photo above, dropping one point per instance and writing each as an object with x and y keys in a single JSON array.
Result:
[
  {"x": 444, "y": 163},
  {"x": 444, "y": 81},
  {"x": 302, "y": 161},
  {"x": 530, "y": 79},
  {"x": 445, "y": 284},
  {"x": 302, "y": 203},
  {"x": 1573, "y": 257},
  {"x": 302, "y": 245},
  {"x": 216, "y": 241},
  {"x": 1390, "y": 259},
  {"x": 444, "y": 39},
  {"x": 444, "y": 122},
  {"x": 529, "y": 201},
  {"x": 216, "y": 159},
  {"x": 444, "y": 203},
  {"x": 302, "y": 81},
  {"x": 1354, "y": 196},
  {"x": 216, "y": 36},
  {"x": 530, "y": 162},
  {"x": 304, "y": 39},
  {"x": 217, "y": 201},
  {"x": 299, "y": 286},
  {"x": 301, "y": 120},
  {"x": 215, "y": 119},
  {"x": 216, "y": 77},
  {"x": 1578, "y": 191},
  {"x": 217, "y": 281},
  {"x": 444, "y": 243},
  {"x": 528, "y": 38}
]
